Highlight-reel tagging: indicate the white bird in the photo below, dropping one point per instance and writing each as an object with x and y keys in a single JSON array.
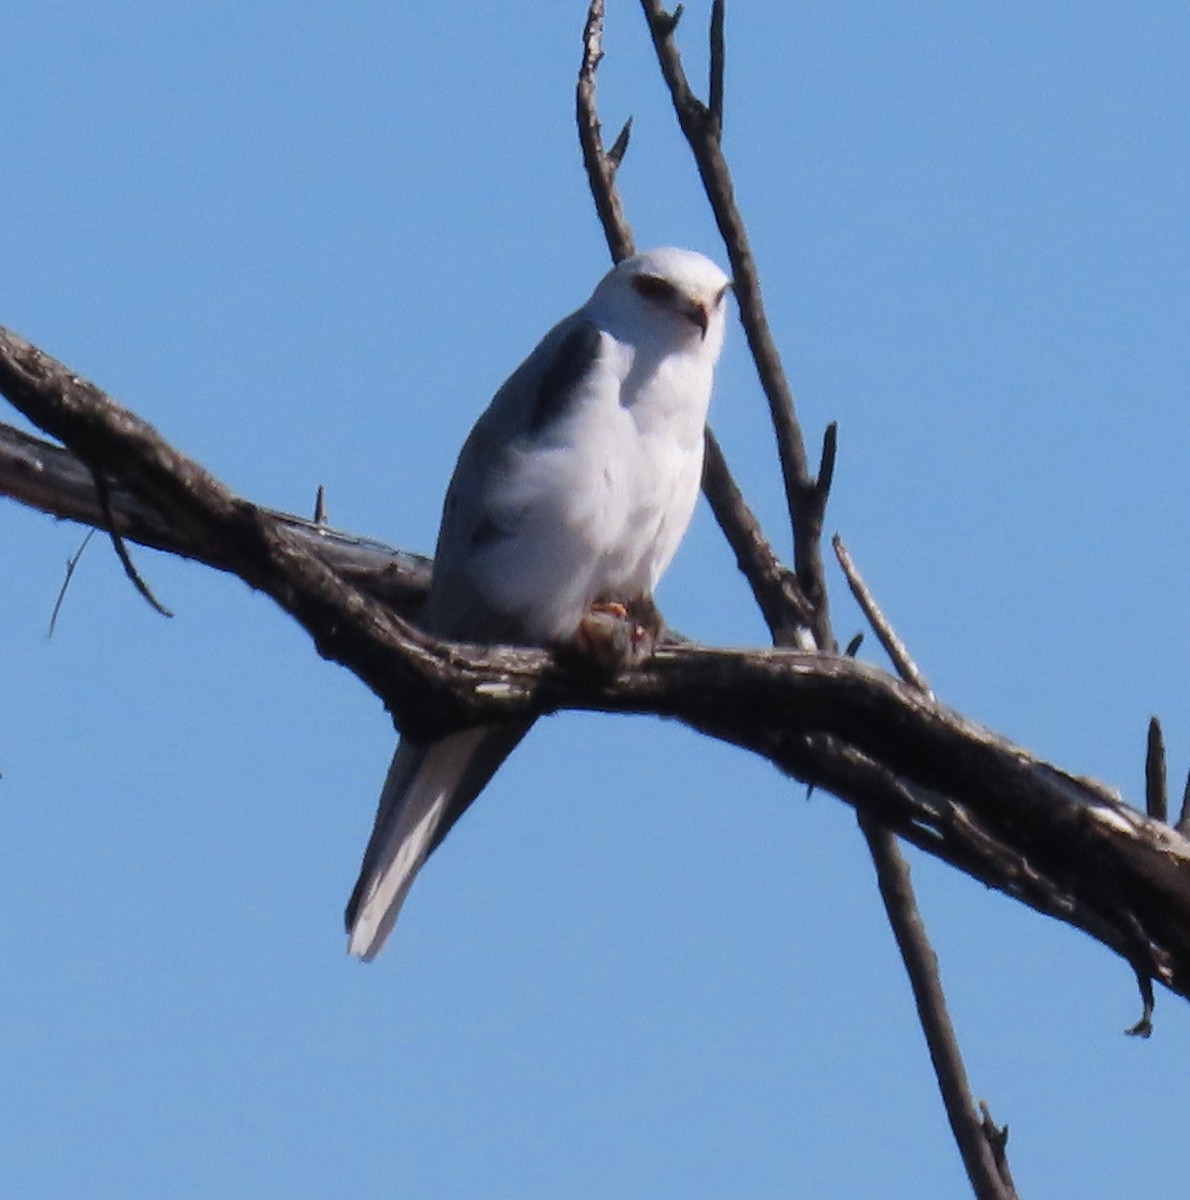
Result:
[{"x": 570, "y": 496}]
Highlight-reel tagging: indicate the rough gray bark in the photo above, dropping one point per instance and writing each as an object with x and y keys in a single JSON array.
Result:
[{"x": 1066, "y": 845}]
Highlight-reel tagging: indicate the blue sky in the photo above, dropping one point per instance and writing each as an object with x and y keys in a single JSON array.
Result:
[{"x": 308, "y": 242}]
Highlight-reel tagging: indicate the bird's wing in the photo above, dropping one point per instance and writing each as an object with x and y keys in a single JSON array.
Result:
[
  {"x": 430, "y": 786},
  {"x": 533, "y": 398}
]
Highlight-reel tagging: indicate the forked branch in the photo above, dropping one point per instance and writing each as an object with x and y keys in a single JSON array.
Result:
[
  {"x": 1061, "y": 843},
  {"x": 702, "y": 126},
  {"x": 799, "y": 614}
]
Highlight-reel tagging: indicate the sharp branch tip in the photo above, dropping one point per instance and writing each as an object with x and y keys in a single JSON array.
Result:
[
  {"x": 826, "y": 464},
  {"x": 718, "y": 56},
  {"x": 1156, "y": 790},
  {"x": 620, "y": 146}
]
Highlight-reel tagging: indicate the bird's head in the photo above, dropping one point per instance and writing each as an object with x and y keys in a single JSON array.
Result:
[{"x": 679, "y": 293}]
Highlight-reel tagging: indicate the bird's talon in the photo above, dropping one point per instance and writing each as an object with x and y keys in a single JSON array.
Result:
[{"x": 610, "y": 640}]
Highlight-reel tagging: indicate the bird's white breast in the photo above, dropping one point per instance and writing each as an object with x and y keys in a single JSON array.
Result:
[{"x": 600, "y": 500}]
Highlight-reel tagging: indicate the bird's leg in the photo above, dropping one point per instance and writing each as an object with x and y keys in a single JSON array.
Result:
[
  {"x": 651, "y": 624},
  {"x": 614, "y": 635}
]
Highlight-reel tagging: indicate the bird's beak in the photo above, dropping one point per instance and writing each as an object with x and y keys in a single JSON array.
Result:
[{"x": 700, "y": 313}]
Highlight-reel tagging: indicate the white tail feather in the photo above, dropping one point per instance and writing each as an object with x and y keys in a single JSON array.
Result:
[{"x": 405, "y": 832}]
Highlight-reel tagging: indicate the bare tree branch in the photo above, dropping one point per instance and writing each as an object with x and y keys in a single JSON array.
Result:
[
  {"x": 71, "y": 566},
  {"x": 1063, "y": 844},
  {"x": 983, "y": 1155},
  {"x": 921, "y": 964},
  {"x": 886, "y": 635},
  {"x": 55, "y": 481},
  {"x": 346, "y": 623},
  {"x": 997, "y": 1138},
  {"x": 718, "y": 65},
  {"x": 805, "y": 502},
  {"x": 1144, "y": 1027},
  {"x": 601, "y": 168},
  {"x": 795, "y": 606},
  {"x": 785, "y": 610},
  {"x": 103, "y": 492}
]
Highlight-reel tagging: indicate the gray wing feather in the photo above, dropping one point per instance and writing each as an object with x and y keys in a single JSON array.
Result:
[
  {"x": 573, "y": 358},
  {"x": 531, "y": 398},
  {"x": 430, "y": 786}
]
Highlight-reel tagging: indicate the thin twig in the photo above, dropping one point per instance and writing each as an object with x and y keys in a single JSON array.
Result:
[
  {"x": 134, "y": 576},
  {"x": 826, "y": 464},
  {"x": 71, "y": 563},
  {"x": 601, "y": 167},
  {"x": 55, "y": 481},
  {"x": 1156, "y": 789},
  {"x": 1144, "y": 1027},
  {"x": 620, "y": 146},
  {"x": 997, "y": 1139},
  {"x": 1157, "y": 806},
  {"x": 921, "y": 964},
  {"x": 887, "y": 636},
  {"x": 718, "y": 61}
]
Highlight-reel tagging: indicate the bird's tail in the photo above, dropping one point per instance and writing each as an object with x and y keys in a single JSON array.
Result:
[{"x": 428, "y": 788}]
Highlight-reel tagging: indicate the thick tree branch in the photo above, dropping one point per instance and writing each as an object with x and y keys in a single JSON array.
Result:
[
  {"x": 347, "y": 624},
  {"x": 1063, "y": 844},
  {"x": 55, "y": 481}
]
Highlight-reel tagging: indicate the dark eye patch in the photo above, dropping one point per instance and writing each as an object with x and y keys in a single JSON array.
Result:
[{"x": 654, "y": 288}]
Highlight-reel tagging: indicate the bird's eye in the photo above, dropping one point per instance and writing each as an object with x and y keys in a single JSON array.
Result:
[{"x": 653, "y": 287}]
